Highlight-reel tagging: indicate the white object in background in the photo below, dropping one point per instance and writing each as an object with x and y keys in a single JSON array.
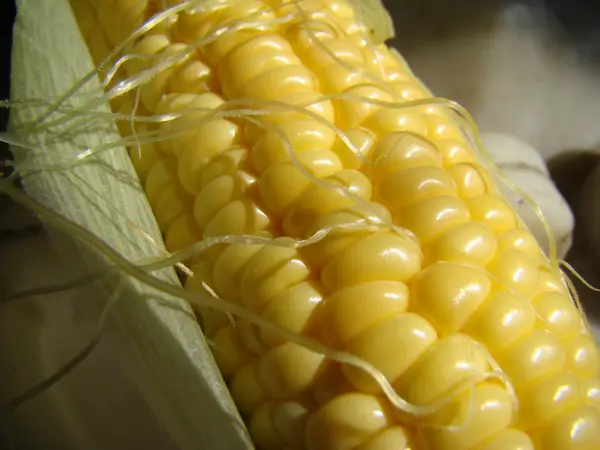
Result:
[{"x": 523, "y": 166}]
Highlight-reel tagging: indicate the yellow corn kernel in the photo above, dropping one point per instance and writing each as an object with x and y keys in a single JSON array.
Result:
[
  {"x": 293, "y": 309},
  {"x": 470, "y": 243},
  {"x": 455, "y": 152},
  {"x": 339, "y": 238},
  {"x": 387, "y": 120},
  {"x": 431, "y": 217},
  {"x": 490, "y": 412},
  {"x": 263, "y": 429},
  {"x": 404, "y": 187},
  {"x": 492, "y": 211},
  {"x": 401, "y": 150},
  {"x": 346, "y": 313},
  {"x": 392, "y": 346},
  {"x": 469, "y": 180},
  {"x": 347, "y": 421},
  {"x": 182, "y": 232},
  {"x": 416, "y": 263},
  {"x": 268, "y": 273},
  {"x": 590, "y": 389},
  {"x": 320, "y": 199},
  {"x": 450, "y": 363},
  {"x": 352, "y": 111},
  {"x": 576, "y": 428},
  {"x": 219, "y": 193},
  {"x": 355, "y": 158},
  {"x": 228, "y": 269},
  {"x": 288, "y": 370},
  {"x": 558, "y": 313},
  {"x": 582, "y": 356},
  {"x": 228, "y": 351},
  {"x": 537, "y": 354},
  {"x": 548, "y": 398},
  {"x": 375, "y": 257},
  {"x": 391, "y": 438},
  {"x": 508, "y": 438},
  {"x": 448, "y": 294},
  {"x": 501, "y": 320},
  {"x": 245, "y": 390},
  {"x": 514, "y": 270}
]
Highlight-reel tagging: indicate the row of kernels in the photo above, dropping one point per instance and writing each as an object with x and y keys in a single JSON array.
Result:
[
  {"x": 506, "y": 316},
  {"x": 379, "y": 264},
  {"x": 196, "y": 143},
  {"x": 506, "y": 267},
  {"x": 338, "y": 64},
  {"x": 221, "y": 207},
  {"x": 242, "y": 216},
  {"x": 287, "y": 84},
  {"x": 343, "y": 63},
  {"x": 557, "y": 404},
  {"x": 227, "y": 173},
  {"x": 349, "y": 311},
  {"x": 252, "y": 58},
  {"x": 511, "y": 255},
  {"x": 264, "y": 67},
  {"x": 186, "y": 74},
  {"x": 269, "y": 279},
  {"x": 392, "y": 346},
  {"x": 535, "y": 360},
  {"x": 402, "y": 147},
  {"x": 498, "y": 218},
  {"x": 480, "y": 417}
]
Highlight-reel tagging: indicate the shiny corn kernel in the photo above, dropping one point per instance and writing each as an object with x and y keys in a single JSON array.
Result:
[
  {"x": 347, "y": 421},
  {"x": 392, "y": 346},
  {"x": 448, "y": 294}
]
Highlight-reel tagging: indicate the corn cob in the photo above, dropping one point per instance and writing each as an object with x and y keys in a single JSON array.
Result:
[{"x": 470, "y": 295}]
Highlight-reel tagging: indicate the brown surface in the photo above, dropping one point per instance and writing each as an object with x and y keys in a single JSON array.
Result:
[{"x": 575, "y": 173}]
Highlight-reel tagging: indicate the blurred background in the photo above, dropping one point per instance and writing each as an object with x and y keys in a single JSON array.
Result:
[{"x": 526, "y": 68}]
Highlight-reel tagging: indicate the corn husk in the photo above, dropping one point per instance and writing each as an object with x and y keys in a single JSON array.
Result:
[{"x": 163, "y": 346}]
